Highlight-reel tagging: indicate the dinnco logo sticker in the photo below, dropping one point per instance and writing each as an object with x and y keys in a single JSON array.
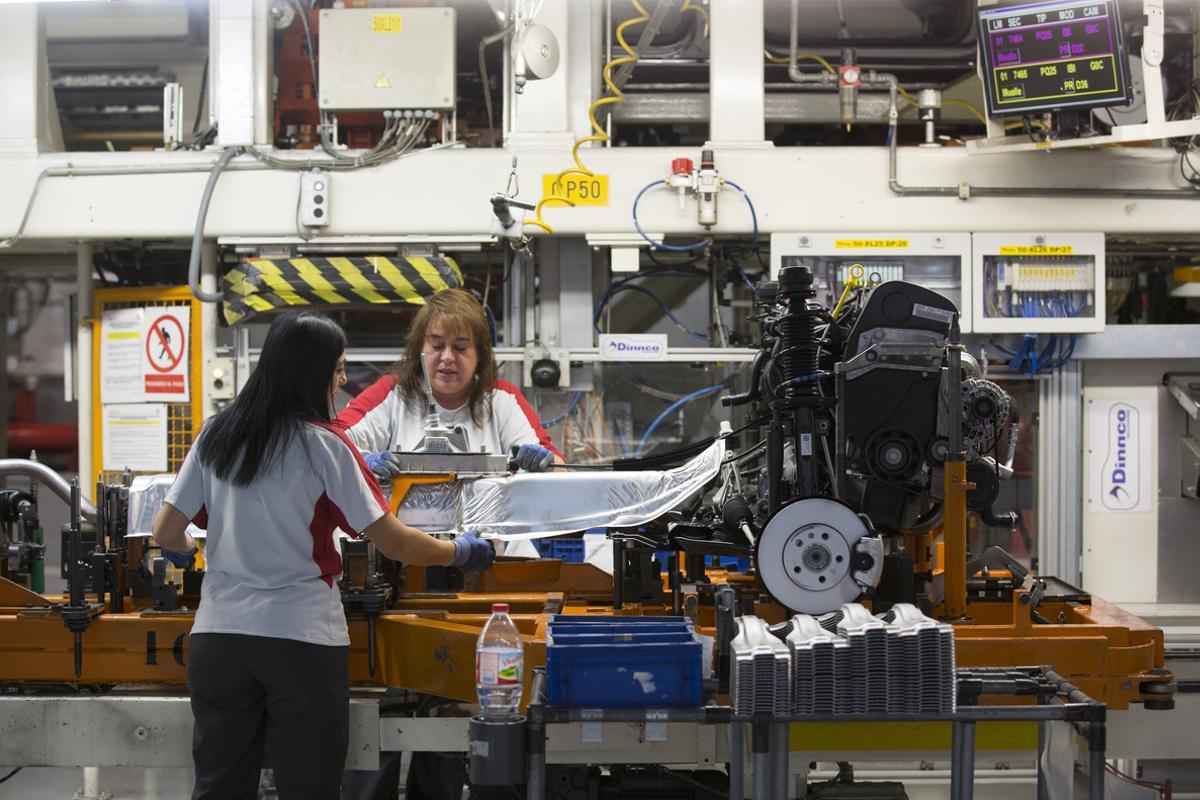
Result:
[
  {"x": 633, "y": 346},
  {"x": 1121, "y": 473}
]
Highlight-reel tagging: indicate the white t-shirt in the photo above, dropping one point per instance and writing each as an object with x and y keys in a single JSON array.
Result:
[
  {"x": 380, "y": 419},
  {"x": 272, "y": 562}
]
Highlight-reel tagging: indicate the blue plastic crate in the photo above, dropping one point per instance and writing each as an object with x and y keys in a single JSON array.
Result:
[
  {"x": 657, "y": 629},
  {"x": 722, "y": 562},
  {"x": 611, "y": 620},
  {"x": 623, "y": 662},
  {"x": 569, "y": 550},
  {"x": 626, "y": 637}
]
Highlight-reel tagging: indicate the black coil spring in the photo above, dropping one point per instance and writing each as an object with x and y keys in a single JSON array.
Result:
[{"x": 798, "y": 352}]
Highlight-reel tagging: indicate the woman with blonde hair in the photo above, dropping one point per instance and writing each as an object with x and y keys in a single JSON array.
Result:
[{"x": 453, "y": 334}]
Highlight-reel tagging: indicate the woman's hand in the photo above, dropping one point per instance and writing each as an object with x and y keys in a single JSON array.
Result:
[
  {"x": 533, "y": 458},
  {"x": 472, "y": 553},
  {"x": 384, "y": 464}
]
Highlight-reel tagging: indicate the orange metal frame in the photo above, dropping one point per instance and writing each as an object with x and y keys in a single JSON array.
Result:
[{"x": 426, "y": 643}]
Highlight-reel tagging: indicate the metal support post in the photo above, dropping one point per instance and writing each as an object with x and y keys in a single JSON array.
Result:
[
  {"x": 4, "y": 403},
  {"x": 779, "y": 760},
  {"x": 962, "y": 760},
  {"x": 209, "y": 312},
  {"x": 535, "y": 748},
  {"x": 514, "y": 299},
  {"x": 1097, "y": 744},
  {"x": 954, "y": 473},
  {"x": 737, "y": 96},
  {"x": 91, "y": 786},
  {"x": 536, "y": 785},
  {"x": 1042, "y": 789},
  {"x": 956, "y": 749},
  {"x": 240, "y": 54},
  {"x": 737, "y": 777},
  {"x": 83, "y": 355},
  {"x": 618, "y": 574},
  {"x": 1060, "y": 471},
  {"x": 675, "y": 571},
  {"x": 760, "y": 743}
]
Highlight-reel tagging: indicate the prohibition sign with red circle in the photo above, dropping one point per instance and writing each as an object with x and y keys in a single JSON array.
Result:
[{"x": 170, "y": 348}]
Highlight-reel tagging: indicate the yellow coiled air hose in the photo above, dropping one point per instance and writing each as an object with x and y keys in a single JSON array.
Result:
[{"x": 599, "y": 134}]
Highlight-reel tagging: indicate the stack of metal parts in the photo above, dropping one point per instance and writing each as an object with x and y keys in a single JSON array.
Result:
[
  {"x": 869, "y": 667},
  {"x": 760, "y": 670},
  {"x": 850, "y": 662},
  {"x": 812, "y": 648},
  {"x": 924, "y": 654}
]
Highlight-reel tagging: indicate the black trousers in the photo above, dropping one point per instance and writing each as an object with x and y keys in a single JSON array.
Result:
[{"x": 251, "y": 692}]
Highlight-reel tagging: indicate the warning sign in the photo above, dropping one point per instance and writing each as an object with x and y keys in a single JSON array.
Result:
[
  {"x": 143, "y": 356},
  {"x": 165, "y": 348}
]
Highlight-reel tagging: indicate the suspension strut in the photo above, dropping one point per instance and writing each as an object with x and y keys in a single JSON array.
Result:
[{"x": 795, "y": 408}]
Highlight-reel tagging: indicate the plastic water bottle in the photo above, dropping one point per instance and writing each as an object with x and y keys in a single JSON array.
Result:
[{"x": 499, "y": 664}]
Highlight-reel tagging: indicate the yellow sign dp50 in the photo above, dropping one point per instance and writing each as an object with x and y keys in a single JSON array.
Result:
[{"x": 582, "y": 190}]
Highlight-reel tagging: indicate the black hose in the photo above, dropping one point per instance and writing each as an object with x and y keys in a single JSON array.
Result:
[
  {"x": 753, "y": 391},
  {"x": 1007, "y": 520}
]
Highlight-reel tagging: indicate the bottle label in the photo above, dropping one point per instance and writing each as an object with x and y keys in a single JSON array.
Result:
[{"x": 498, "y": 667}]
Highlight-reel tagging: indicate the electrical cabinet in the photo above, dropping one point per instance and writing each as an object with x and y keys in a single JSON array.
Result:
[
  {"x": 937, "y": 261},
  {"x": 387, "y": 58},
  {"x": 1038, "y": 282}
]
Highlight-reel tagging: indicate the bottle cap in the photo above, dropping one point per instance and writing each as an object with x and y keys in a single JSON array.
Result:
[{"x": 499, "y": 608}]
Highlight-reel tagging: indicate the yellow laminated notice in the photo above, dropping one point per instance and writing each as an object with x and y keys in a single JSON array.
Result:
[
  {"x": 1036, "y": 250},
  {"x": 870, "y": 244},
  {"x": 385, "y": 23}
]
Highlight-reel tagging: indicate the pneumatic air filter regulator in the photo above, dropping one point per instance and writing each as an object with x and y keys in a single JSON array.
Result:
[{"x": 708, "y": 184}]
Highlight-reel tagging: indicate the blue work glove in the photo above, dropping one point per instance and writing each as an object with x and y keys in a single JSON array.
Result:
[
  {"x": 384, "y": 464},
  {"x": 533, "y": 458},
  {"x": 179, "y": 559},
  {"x": 472, "y": 553}
]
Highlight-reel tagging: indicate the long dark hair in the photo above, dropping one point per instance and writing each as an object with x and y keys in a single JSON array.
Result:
[
  {"x": 289, "y": 385},
  {"x": 465, "y": 316}
]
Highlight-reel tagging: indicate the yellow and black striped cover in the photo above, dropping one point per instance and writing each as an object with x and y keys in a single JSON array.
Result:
[{"x": 268, "y": 284}]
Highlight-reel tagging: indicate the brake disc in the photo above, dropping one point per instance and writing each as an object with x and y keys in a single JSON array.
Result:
[{"x": 816, "y": 554}]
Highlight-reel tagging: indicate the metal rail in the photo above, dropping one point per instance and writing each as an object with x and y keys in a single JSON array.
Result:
[
  {"x": 1060, "y": 701},
  {"x": 47, "y": 477}
]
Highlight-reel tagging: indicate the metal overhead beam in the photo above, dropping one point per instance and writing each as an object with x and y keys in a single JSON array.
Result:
[
  {"x": 154, "y": 195},
  {"x": 587, "y": 355},
  {"x": 791, "y": 107}
]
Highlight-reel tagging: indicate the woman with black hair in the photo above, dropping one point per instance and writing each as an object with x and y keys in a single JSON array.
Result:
[{"x": 272, "y": 479}]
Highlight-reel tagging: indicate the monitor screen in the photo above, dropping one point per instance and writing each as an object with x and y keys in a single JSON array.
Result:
[{"x": 1053, "y": 55}]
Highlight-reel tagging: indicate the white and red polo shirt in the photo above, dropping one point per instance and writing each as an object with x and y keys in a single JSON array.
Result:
[
  {"x": 381, "y": 419},
  {"x": 272, "y": 562}
]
